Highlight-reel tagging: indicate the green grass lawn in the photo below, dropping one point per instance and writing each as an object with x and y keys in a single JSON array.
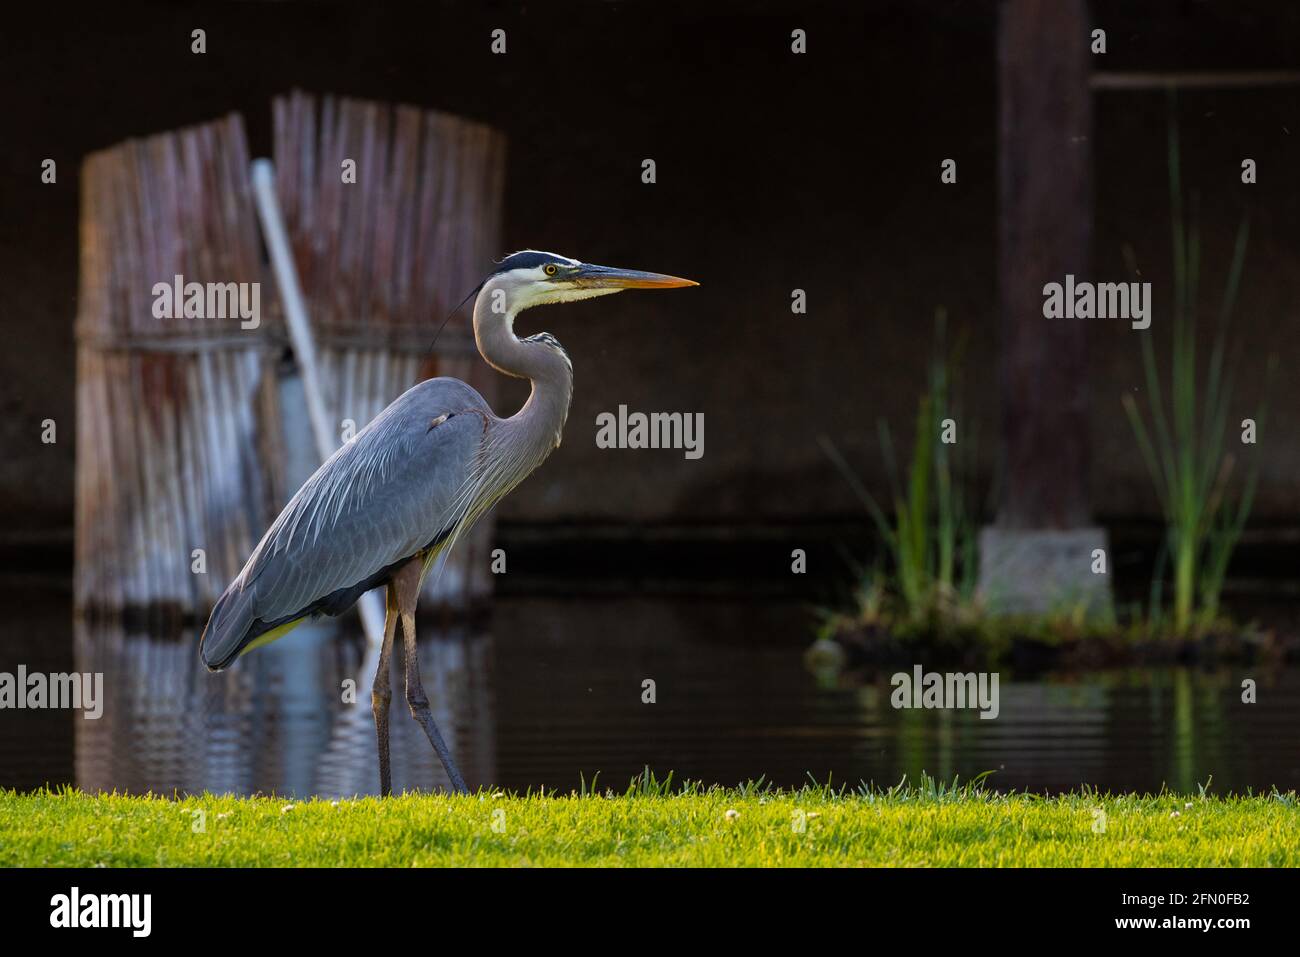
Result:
[{"x": 651, "y": 826}]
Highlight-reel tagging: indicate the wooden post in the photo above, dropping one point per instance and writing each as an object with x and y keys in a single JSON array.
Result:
[
  {"x": 1036, "y": 552},
  {"x": 1045, "y": 188},
  {"x": 383, "y": 259},
  {"x": 178, "y": 434}
]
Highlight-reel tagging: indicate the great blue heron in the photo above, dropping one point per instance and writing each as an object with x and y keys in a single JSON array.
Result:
[{"x": 386, "y": 504}]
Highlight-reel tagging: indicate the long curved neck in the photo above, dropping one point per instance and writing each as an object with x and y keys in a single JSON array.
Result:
[{"x": 542, "y": 417}]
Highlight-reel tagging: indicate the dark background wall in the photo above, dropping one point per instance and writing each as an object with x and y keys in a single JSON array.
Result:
[{"x": 775, "y": 171}]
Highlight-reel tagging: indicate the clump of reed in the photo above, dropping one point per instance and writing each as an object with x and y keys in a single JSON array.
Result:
[
  {"x": 928, "y": 581},
  {"x": 1182, "y": 431}
]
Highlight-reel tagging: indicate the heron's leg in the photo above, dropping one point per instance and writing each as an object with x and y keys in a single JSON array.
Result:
[
  {"x": 381, "y": 693},
  {"x": 407, "y": 583}
]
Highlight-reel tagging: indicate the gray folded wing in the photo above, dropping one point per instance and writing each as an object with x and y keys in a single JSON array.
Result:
[{"x": 382, "y": 497}]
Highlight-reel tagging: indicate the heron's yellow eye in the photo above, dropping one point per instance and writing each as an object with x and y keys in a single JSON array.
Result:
[{"x": 549, "y": 269}]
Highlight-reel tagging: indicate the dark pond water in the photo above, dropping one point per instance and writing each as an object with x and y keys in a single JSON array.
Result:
[{"x": 551, "y": 689}]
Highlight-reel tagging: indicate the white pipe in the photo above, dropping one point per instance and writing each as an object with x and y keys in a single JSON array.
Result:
[{"x": 304, "y": 348}]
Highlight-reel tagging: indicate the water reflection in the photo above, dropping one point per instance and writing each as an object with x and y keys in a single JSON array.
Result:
[
  {"x": 293, "y": 718},
  {"x": 734, "y": 702},
  {"x": 552, "y": 689}
]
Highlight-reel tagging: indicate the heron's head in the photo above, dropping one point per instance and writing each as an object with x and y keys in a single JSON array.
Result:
[{"x": 531, "y": 278}]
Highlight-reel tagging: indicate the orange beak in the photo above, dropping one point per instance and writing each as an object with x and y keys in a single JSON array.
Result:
[{"x": 590, "y": 276}]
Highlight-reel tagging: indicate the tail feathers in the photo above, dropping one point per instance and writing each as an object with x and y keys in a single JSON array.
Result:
[{"x": 230, "y": 627}]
